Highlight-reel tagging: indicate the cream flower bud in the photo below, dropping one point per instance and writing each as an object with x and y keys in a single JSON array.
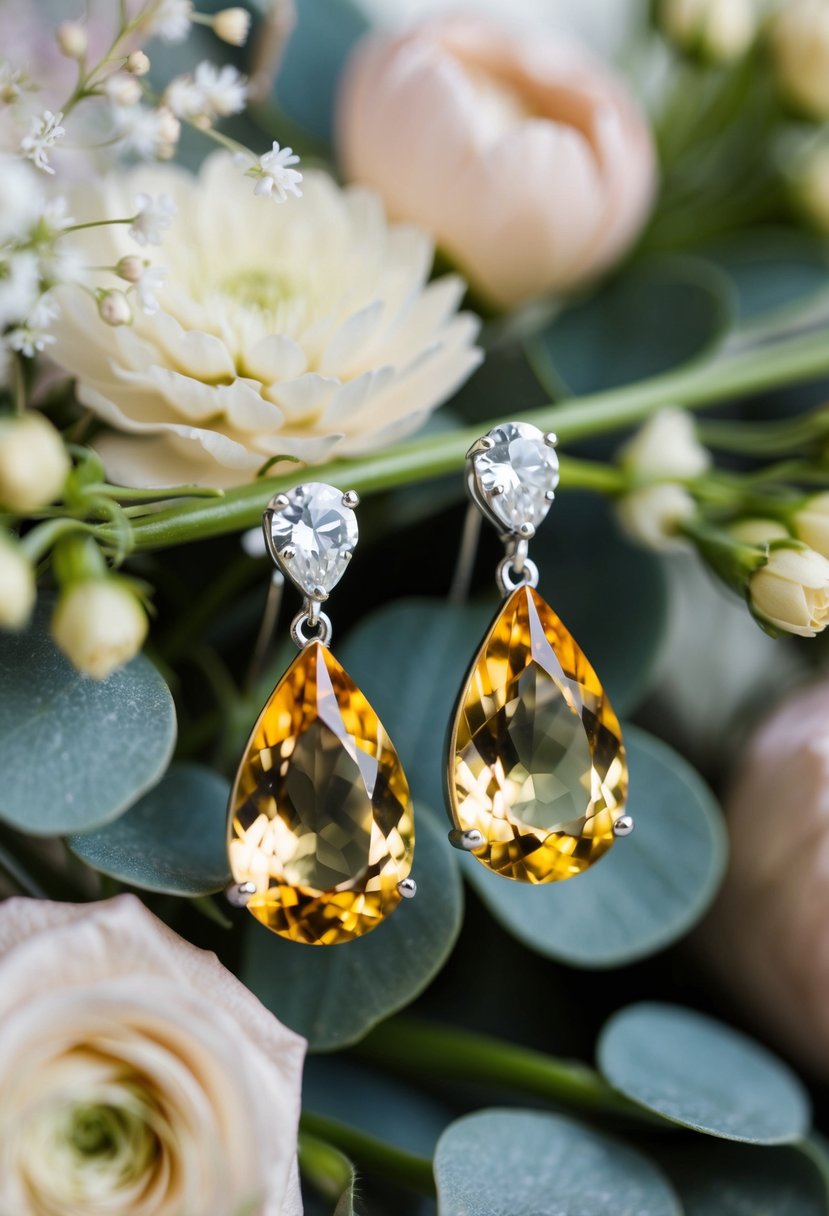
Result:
[
  {"x": 808, "y": 179},
  {"x": 811, "y": 523},
  {"x": 652, "y": 515},
  {"x": 33, "y": 463},
  {"x": 114, "y": 308},
  {"x": 168, "y": 127},
  {"x": 791, "y": 592},
  {"x": 99, "y": 625},
  {"x": 718, "y": 30},
  {"x": 138, "y": 63},
  {"x": 759, "y": 531},
  {"x": 232, "y": 25},
  {"x": 131, "y": 268},
  {"x": 766, "y": 935},
  {"x": 122, "y": 89},
  {"x": 666, "y": 446},
  {"x": 17, "y": 586},
  {"x": 800, "y": 52},
  {"x": 72, "y": 39}
]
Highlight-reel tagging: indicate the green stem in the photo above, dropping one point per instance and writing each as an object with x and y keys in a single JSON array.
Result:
[
  {"x": 387, "y": 1160},
  {"x": 431, "y": 1050},
  {"x": 324, "y": 1167},
  {"x": 136, "y": 494}
]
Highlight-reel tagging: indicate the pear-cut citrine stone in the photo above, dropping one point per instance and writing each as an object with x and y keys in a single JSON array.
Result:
[
  {"x": 320, "y": 815},
  {"x": 537, "y": 763}
]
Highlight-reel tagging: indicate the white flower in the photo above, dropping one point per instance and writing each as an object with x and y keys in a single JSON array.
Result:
[
  {"x": 45, "y": 132},
  {"x": 299, "y": 331},
  {"x": 276, "y": 175},
  {"x": 19, "y": 286},
  {"x": 21, "y": 199},
  {"x": 170, "y": 20},
  {"x": 114, "y": 308},
  {"x": 666, "y": 446},
  {"x": 151, "y": 281},
  {"x": 33, "y": 463},
  {"x": 224, "y": 89},
  {"x": 72, "y": 39},
  {"x": 791, "y": 592},
  {"x": 17, "y": 585},
  {"x": 153, "y": 216},
  {"x": 184, "y": 97},
  {"x": 148, "y": 133},
  {"x": 138, "y": 63},
  {"x": 232, "y": 25},
  {"x": 28, "y": 341},
  {"x": 99, "y": 624},
  {"x": 651, "y": 516},
  {"x": 55, "y": 214},
  {"x": 45, "y": 311},
  {"x": 139, "y": 1077},
  {"x": 719, "y": 30},
  {"x": 123, "y": 89},
  {"x": 811, "y": 523}
]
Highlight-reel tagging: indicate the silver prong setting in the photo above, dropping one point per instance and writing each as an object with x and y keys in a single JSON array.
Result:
[
  {"x": 279, "y": 502},
  {"x": 549, "y": 495},
  {"x": 238, "y": 894},
  {"x": 484, "y": 444},
  {"x": 551, "y": 439},
  {"x": 467, "y": 841},
  {"x": 351, "y": 499},
  {"x": 623, "y": 826},
  {"x": 320, "y": 595},
  {"x": 526, "y": 531},
  {"x": 407, "y": 888},
  {"x": 288, "y": 553}
]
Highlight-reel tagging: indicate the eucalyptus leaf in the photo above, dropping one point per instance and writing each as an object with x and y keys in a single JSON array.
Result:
[
  {"x": 173, "y": 839},
  {"x": 654, "y": 317},
  {"x": 717, "y": 1179},
  {"x": 334, "y": 995},
  {"x": 75, "y": 752},
  {"x": 771, "y": 268},
  {"x": 519, "y": 1163},
  {"x": 646, "y": 893},
  {"x": 703, "y": 1075},
  {"x": 313, "y": 61}
]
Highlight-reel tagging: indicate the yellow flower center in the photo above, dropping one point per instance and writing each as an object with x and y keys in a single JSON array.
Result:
[{"x": 258, "y": 289}]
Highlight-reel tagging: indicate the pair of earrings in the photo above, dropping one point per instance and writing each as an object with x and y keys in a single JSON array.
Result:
[{"x": 321, "y": 830}]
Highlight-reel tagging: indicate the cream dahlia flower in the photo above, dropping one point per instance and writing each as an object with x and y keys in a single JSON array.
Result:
[
  {"x": 138, "y": 1076},
  {"x": 297, "y": 331}
]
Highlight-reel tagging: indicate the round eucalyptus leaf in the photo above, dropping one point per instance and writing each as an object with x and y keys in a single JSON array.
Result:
[
  {"x": 717, "y": 1179},
  {"x": 520, "y": 1163},
  {"x": 771, "y": 268},
  {"x": 76, "y": 752},
  {"x": 333, "y": 995},
  {"x": 646, "y": 893},
  {"x": 654, "y": 317},
  {"x": 703, "y": 1075},
  {"x": 173, "y": 839}
]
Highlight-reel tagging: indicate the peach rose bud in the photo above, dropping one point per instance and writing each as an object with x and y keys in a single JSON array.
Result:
[{"x": 524, "y": 156}]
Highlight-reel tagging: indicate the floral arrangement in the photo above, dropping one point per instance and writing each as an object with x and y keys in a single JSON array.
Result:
[{"x": 247, "y": 250}]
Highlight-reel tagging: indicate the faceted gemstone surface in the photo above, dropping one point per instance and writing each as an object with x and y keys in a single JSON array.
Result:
[
  {"x": 524, "y": 467},
  {"x": 322, "y": 532},
  {"x": 537, "y": 763},
  {"x": 320, "y": 815}
]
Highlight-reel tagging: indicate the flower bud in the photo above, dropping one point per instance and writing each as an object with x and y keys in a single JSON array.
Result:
[
  {"x": 123, "y": 89},
  {"x": 131, "y": 268},
  {"x": 666, "y": 446},
  {"x": 232, "y": 25},
  {"x": 807, "y": 177},
  {"x": 114, "y": 308},
  {"x": 651, "y": 515},
  {"x": 168, "y": 131},
  {"x": 17, "y": 586},
  {"x": 99, "y": 625},
  {"x": 138, "y": 63},
  {"x": 72, "y": 39},
  {"x": 716, "y": 30},
  {"x": 800, "y": 53},
  {"x": 791, "y": 592},
  {"x": 811, "y": 523},
  {"x": 33, "y": 463}
]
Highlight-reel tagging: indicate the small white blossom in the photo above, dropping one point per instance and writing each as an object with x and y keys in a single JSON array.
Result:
[
  {"x": 114, "y": 308},
  {"x": 62, "y": 264},
  {"x": 72, "y": 39},
  {"x": 130, "y": 267},
  {"x": 137, "y": 63},
  {"x": 151, "y": 281},
  {"x": 27, "y": 341},
  {"x": 170, "y": 20},
  {"x": 232, "y": 25},
  {"x": 12, "y": 82},
  {"x": 153, "y": 217},
  {"x": 123, "y": 89},
  {"x": 148, "y": 133},
  {"x": 46, "y": 131},
  {"x": 185, "y": 98},
  {"x": 20, "y": 197},
  {"x": 19, "y": 286},
  {"x": 55, "y": 214},
  {"x": 276, "y": 176},
  {"x": 45, "y": 311},
  {"x": 224, "y": 89}
]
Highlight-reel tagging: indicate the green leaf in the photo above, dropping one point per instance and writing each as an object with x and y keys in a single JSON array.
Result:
[
  {"x": 703, "y": 1075},
  {"x": 334, "y": 995},
  {"x": 655, "y": 317},
  {"x": 519, "y": 1163},
  {"x": 771, "y": 268},
  {"x": 646, "y": 893},
  {"x": 329, "y": 1172},
  {"x": 75, "y": 753},
  {"x": 717, "y": 1179},
  {"x": 171, "y": 841}
]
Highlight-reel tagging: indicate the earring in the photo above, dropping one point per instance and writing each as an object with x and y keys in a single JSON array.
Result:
[
  {"x": 320, "y": 825},
  {"x": 536, "y": 774}
]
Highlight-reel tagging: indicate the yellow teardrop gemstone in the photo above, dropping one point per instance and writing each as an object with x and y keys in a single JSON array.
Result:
[
  {"x": 536, "y": 758},
  {"x": 320, "y": 815}
]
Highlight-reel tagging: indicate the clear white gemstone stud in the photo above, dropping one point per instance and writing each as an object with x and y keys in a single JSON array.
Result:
[
  {"x": 513, "y": 476},
  {"x": 311, "y": 533}
]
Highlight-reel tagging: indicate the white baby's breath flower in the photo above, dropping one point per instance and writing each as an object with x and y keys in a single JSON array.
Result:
[
  {"x": 224, "y": 89},
  {"x": 54, "y": 215},
  {"x": 19, "y": 286},
  {"x": 232, "y": 25},
  {"x": 28, "y": 341},
  {"x": 44, "y": 134},
  {"x": 153, "y": 216},
  {"x": 148, "y": 133},
  {"x": 130, "y": 267},
  {"x": 114, "y": 308},
  {"x": 185, "y": 98},
  {"x": 169, "y": 20},
  {"x": 151, "y": 281},
  {"x": 21, "y": 198},
  {"x": 275, "y": 176},
  {"x": 298, "y": 332},
  {"x": 72, "y": 39},
  {"x": 123, "y": 89},
  {"x": 138, "y": 63}
]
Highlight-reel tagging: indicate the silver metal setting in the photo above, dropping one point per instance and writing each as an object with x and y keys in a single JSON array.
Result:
[
  {"x": 623, "y": 826},
  {"x": 551, "y": 439},
  {"x": 468, "y": 842},
  {"x": 509, "y": 577},
  {"x": 238, "y": 893},
  {"x": 407, "y": 888},
  {"x": 351, "y": 499},
  {"x": 317, "y": 621}
]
